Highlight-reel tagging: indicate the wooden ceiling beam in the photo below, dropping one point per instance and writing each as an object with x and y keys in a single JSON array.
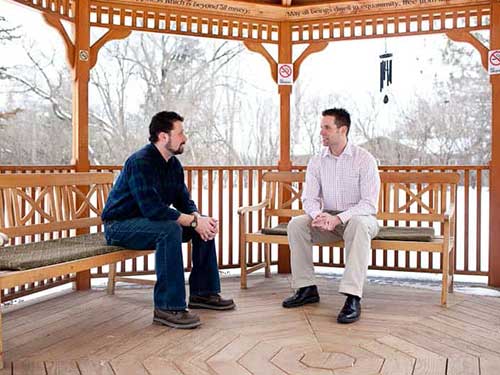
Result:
[{"x": 263, "y": 10}]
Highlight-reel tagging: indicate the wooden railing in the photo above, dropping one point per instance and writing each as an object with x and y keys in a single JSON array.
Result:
[{"x": 219, "y": 191}]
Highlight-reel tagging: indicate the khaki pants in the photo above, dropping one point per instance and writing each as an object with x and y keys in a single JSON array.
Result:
[{"x": 357, "y": 234}]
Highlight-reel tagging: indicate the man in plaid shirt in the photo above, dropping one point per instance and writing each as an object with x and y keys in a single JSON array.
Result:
[{"x": 139, "y": 215}]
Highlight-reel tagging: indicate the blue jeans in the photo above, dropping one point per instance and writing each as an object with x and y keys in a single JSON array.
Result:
[{"x": 167, "y": 237}]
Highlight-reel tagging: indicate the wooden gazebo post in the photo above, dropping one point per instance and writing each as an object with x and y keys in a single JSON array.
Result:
[
  {"x": 81, "y": 57},
  {"x": 80, "y": 118},
  {"x": 284, "y": 164},
  {"x": 81, "y": 76},
  {"x": 494, "y": 244},
  {"x": 285, "y": 91},
  {"x": 285, "y": 55}
]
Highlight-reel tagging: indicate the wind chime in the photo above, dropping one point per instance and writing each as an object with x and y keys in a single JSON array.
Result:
[{"x": 385, "y": 73}]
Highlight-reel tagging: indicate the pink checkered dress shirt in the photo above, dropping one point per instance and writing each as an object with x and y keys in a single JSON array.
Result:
[{"x": 349, "y": 183}]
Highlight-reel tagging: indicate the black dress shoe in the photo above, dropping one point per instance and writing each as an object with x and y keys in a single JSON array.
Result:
[
  {"x": 303, "y": 296},
  {"x": 351, "y": 310}
]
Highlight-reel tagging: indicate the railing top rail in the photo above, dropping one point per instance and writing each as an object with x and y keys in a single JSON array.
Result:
[{"x": 35, "y": 168}]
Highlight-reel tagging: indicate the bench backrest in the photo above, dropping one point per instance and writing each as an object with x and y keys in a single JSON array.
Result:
[
  {"x": 50, "y": 202},
  {"x": 416, "y": 196},
  {"x": 403, "y": 195}
]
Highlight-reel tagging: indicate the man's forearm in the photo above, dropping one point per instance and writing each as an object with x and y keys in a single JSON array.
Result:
[{"x": 185, "y": 219}]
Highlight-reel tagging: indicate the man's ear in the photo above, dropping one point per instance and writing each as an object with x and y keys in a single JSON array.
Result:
[{"x": 166, "y": 136}]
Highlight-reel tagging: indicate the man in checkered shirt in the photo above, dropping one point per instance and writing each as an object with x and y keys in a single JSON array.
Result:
[{"x": 340, "y": 200}]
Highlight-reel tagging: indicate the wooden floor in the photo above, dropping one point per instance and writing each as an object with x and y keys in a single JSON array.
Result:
[{"x": 403, "y": 330}]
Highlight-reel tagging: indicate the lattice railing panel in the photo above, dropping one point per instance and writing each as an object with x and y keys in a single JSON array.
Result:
[
  {"x": 106, "y": 14},
  {"x": 62, "y": 8},
  {"x": 382, "y": 26}
]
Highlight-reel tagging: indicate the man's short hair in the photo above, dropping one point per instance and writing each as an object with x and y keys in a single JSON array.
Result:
[
  {"x": 342, "y": 117},
  {"x": 162, "y": 122}
]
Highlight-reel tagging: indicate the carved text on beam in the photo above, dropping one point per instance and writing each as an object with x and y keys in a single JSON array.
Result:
[{"x": 295, "y": 13}]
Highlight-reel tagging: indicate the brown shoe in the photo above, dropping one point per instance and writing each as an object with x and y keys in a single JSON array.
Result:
[
  {"x": 176, "y": 319},
  {"x": 212, "y": 302}
]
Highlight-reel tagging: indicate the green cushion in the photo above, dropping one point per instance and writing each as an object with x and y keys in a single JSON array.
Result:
[
  {"x": 420, "y": 234},
  {"x": 279, "y": 230},
  {"x": 45, "y": 253}
]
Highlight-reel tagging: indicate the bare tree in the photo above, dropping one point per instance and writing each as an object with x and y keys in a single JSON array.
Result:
[
  {"x": 149, "y": 73},
  {"x": 7, "y": 32},
  {"x": 452, "y": 126}
]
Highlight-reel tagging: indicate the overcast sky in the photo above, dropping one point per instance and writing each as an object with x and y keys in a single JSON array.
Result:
[{"x": 350, "y": 67}]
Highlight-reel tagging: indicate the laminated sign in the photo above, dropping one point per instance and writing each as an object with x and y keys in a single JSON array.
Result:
[
  {"x": 285, "y": 74},
  {"x": 494, "y": 62}
]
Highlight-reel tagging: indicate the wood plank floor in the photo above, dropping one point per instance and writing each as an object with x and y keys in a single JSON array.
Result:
[{"x": 403, "y": 331}]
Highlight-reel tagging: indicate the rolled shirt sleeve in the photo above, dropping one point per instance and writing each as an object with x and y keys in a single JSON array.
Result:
[
  {"x": 311, "y": 196},
  {"x": 183, "y": 201}
]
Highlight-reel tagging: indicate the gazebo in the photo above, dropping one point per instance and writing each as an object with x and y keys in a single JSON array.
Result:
[{"x": 286, "y": 24}]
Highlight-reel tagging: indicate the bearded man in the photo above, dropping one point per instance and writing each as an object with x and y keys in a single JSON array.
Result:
[{"x": 150, "y": 207}]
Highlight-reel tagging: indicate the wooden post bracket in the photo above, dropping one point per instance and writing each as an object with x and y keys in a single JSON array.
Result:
[
  {"x": 466, "y": 37},
  {"x": 111, "y": 34},
  {"x": 55, "y": 22},
  {"x": 259, "y": 48},
  {"x": 311, "y": 48}
]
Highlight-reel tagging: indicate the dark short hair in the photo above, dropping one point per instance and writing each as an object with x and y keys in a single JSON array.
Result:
[
  {"x": 162, "y": 122},
  {"x": 342, "y": 117}
]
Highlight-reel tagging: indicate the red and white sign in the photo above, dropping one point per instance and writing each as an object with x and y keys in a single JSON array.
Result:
[
  {"x": 285, "y": 74},
  {"x": 494, "y": 61}
]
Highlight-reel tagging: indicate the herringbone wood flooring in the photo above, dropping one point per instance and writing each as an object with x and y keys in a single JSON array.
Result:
[{"x": 403, "y": 331}]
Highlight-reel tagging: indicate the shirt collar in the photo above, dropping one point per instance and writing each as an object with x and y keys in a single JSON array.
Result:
[
  {"x": 157, "y": 154},
  {"x": 347, "y": 151}
]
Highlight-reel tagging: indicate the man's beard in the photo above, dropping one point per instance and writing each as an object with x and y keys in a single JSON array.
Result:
[{"x": 172, "y": 150}]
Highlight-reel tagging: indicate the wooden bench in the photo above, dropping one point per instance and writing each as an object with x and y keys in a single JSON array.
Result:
[
  {"x": 406, "y": 201},
  {"x": 44, "y": 205}
]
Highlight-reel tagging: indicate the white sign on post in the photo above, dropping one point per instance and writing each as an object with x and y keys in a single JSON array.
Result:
[
  {"x": 494, "y": 62},
  {"x": 285, "y": 74}
]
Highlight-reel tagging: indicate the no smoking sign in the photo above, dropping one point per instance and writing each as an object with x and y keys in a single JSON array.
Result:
[
  {"x": 285, "y": 74},
  {"x": 494, "y": 61}
]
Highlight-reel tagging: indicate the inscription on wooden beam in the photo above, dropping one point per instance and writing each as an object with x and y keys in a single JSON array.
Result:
[{"x": 309, "y": 12}]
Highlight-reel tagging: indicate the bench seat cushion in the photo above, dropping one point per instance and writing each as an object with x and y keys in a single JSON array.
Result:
[
  {"x": 420, "y": 234},
  {"x": 46, "y": 253}
]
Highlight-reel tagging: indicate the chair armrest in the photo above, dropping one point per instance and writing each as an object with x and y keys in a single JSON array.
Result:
[
  {"x": 449, "y": 212},
  {"x": 257, "y": 207},
  {"x": 3, "y": 239}
]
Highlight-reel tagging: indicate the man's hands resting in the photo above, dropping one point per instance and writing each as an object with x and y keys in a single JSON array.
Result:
[
  {"x": 325, "y": 221},
  {"x": 206, "y": 227}
]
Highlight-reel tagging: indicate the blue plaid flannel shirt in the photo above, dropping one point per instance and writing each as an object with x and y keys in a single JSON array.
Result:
[{"x": 147, "y": 187}]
